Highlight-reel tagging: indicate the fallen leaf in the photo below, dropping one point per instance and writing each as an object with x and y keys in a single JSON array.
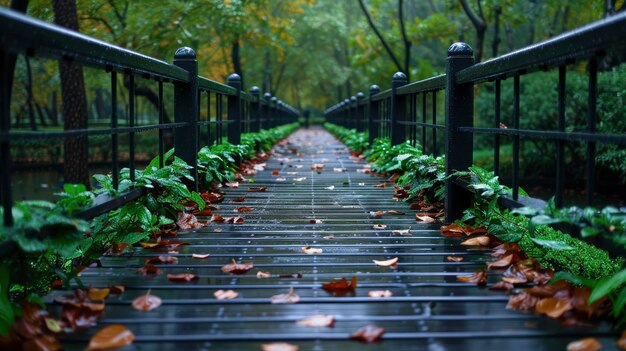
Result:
[
  {"x": 188, "y": 221},
  {"x": 109, "y": 337},
  {"x": 394, "y": 212},
  {"x": 280, "y": 346},
  {"x": 275, "y": 172},
  {"x": 237, "y": 268},
  {"x": 375, "y": 214},
  {"x": 514, "y": 275},
  {"x": 554, "y": 307},
  {"x": 299, "y": 166},
  {"x": 225, "y": 294},
  {"x": 243, "y": 209},
  {"x": 586, "y": 344},
  {"x": 310, "y": 250},
  {"x": 218, "y": 230},
  {"x": 332, "y": 187},
  {"x": 425, "y": 219},
  {"x": 316, "y": 221},
  {"x": 234, "y": 220},
  {"x": 146, "y": 302},
  {"x": 455, "y": 230},
  {"x": 339, "y": 170},
  {"x": 317, "y": 166},
  {"x": 262, "y": 275},
  {"x": 329, "y": 237},
  {"x": 381, "y": 185},
  {"x": 257, "y": 189},
  {"x": 401, "y": 231},
  {"x": 213, "y": 197},
  {"x": 98, "y": 294},
  {"x": 200, "y": 256},
  {"x": 163, "y": 259},
  {"x": 454, "y": 258},
  {"x": 340, "y": 287},
  {"x": 379, "y": 293},
  {"x": 621, "y": 342},
  {"x": 318, "y": 320},
  {"x": 53, "y": 325},
  {"x": 368, "y": 334},
  {"x": 290, "y": 297},
  {"x": 380, "y": 226},
  {"x": 117, "y": 289},
  {"x": 501, "y": 263},
  {"x": 239, "y": 199},
  {"x": 502, "y": 285},
  {"x": 183, "y": 277},
  {"x": 299, "y": 179},
  {"x": 479, "y": 277},
  {"x": 232, "y": 184},
  {"x": 522, "y": 302},
  {"x": 217, "y": 218},
  {"x": 482, "y": 240},
  {"x": 387, "y": 263},
  {"x": 281, "y": 179},
  {"x": 148, "y": 269}
]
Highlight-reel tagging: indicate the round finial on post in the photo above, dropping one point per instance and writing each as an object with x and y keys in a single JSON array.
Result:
[
  {"x": 460, "y": 49},
  {"x": 267, "y": 96},
  {"x": 280, "y": 102},
  {"x": 234, "y": 77},
  {"x": 274, "y": 99},
  {"x": 360, "y": 96},
  {"x": 352, "y": 99},
  {"x": 255, "y": 91},
  {"x": 399, "y": 78},
  {"x": 346, "y": 101},
  {"x": 185, "y": 53},
  {"x": 374, "y": 89}
]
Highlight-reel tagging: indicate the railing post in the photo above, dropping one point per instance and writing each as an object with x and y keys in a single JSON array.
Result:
[
  {"x": 5, "y": 147},
  {"x": 352, "y": 115},
  {"x": 346, "y": 113},
  {"x": 459, "y": 113},
  {"x": 267, "y": 97},
  {"x": 234, "y": 110},
  {"x": 372, "y": 112},
  {"x": 360, "y": 112},
  {"x": 255, "y": 108},
  {"x": 398, "y": 107},
  {"x": 273, "y": 111},
  {"x": 280, "y": 112},
  {"x": 186, "y": 110}
]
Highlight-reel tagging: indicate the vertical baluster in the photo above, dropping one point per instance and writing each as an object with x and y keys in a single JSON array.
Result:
[
  {"x": 131, "y": 123},
  {"x": 434, "y": 111},
  {"x": 560, "y": 143},
  {"x": 591, "y": 128},
  {"x": 516, "y": 139},
  {"x": 372, "y": 114},
  {"x": 424, "y": 95},
  {"x": 208, "y": 118},
  {"x": 398, "y": 109},
  {"x": 161, "y": 122},
  {"x": 5, "y": 145},
  {"x": 496, "y": 138},
  {"x": 218, "y": 126},
  {"x": 115, "y": 165}
]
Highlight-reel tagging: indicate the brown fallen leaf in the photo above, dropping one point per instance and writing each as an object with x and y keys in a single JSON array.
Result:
[
  {"x": 387, "y": 263},
  {"x": 479, "y": 277},
  {"x": 117, "y": 289},
  {"x": 586, "y": 344},
  {"x": 318, "y": 320},
  {"x": 554, "y": 307},
  {"x": 148, "y": 269},
  {"x": 109, "y": 337},
  {"x": 290, "y": 297},
  {"x": 262, "y": 275},
  {"x": 401, "y": 231},
  {"x": 482, "y": 240},
  {"x": 454, "y": 258},
  {"x": 200, "y": 256},
  {"x": 275, "y": 172},
  {"x": 425, "y": 219},
  {"x": 237, "y": 268},
  {"x": 257, "y": 189},
  {"x": 188, "y": 221},
  {"x": 234, "y": 220},
  {"x": 380, "y": 226},
  {"x": 368, "y": 334},
  {"x": 232, "y": 184},
  {"x": 213, "y": 197},
  {"x": 522, "y": 302},
  {"x": 146, "y": 302},
  {"x": 502, "y": 285},
  {"x": 504, "y": 262},
  {"x": 340, "y": 287},
  {"x": 621, "y": 342},
  {"x": 316, "y": 221},
  {"x": 379, "y": 293},
  {"x": 381, "y": 185},
  {"x": 239, "y": 199},
  {"x": 243, "y": 209},
  {"x": 310, "y": 250},
  {"x": 218, "y": 230},
  {"x": 280, "y": 346},
  {"x": 163, "y": 259},
  {"x": 217, "y": 218},
  {"x": 394, "y": 212},
  {"x": 225, "y": 294},
  {"x": 98, "y": 294},
  {"x": 339, "y": 170},
  {"x": 317, "y": 166},
  {"x": 183, "y": 277},
  {"x": 329, "y": 237}
]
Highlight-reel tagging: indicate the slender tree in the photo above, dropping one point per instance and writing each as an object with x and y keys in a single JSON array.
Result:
[
  {"x": 74, "y": 101},
  {"x": 480, "y": 25}
]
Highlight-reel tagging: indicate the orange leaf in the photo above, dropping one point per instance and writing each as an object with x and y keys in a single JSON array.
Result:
[
  {"x": 381, "y": 185},
  {"x": 257, "y": 189},
  {"x": 112, "y": 336},
  {"x": 586, "y": 344},
  {"x": 501, "y": 263},
  {"x": 225, "y": 294},
  {"x": 275, "y": 172},
  {"x": 98, "y": 294},
  {"x": 290, "y": 297},
  {"x": 394, "y": 212},
  {"x": 379, "y": 293},
  {"x": 183, "y": 277},
  {"x": 243, "y": 209},
  {"x": 310, "y": 250},
  {"x": 280, "y": 346},
  {"x": 479, "y": 277},
  {"x": 340, "y": 287},
  {"x": 317, "y": 166},
  {"x": 319, "y": 320},
  {"x": 502, "y": 285},
  {"x": 553, "y": 306},
  {"x": 147, "y": 302},
  {"x": 454, "y": 258},
  {"x": 482, "y": 240},
  {"x": 237, "y": 268},
  {"x": 200, "y": 256},
  {"x": 387, "y": 263},
  {"x": 217, "y": 218},
  {"x": 368, "y": 334}
]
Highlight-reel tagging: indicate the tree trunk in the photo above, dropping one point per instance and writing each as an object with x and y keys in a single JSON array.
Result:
[
  {"x": 370, "y": 21},
  {"x": 29, "y": 95},
  {"x": 10, "y": 59},
  {"x": 405, "y": 41},
  {"x": 237, "y": 60},
  {"x": 478, "y": 21},
  {"x": 74, "y": 101},
  {"x": 509, "y": 36},
  {"x": 496, "y": 32}
]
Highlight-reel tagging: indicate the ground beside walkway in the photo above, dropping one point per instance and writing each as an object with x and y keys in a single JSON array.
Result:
[{"x": 429, "y": 309}]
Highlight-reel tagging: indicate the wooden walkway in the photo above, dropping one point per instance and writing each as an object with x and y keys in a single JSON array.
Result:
[{"x": 429, "y": 309}]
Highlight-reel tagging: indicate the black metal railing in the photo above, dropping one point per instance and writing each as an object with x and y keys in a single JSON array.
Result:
[
  {"x": 401, "y": 112},
  {"x": 240, "y": 112}
]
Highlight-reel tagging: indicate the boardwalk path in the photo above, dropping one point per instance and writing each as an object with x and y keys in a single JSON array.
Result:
[{"x": 429, "y": 309}]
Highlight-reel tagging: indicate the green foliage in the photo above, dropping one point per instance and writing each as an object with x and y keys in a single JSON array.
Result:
[{"x": 355, "y": 141}]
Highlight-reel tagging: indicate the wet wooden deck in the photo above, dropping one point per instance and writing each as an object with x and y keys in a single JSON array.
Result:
[{"x": 429, "y": 309}]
